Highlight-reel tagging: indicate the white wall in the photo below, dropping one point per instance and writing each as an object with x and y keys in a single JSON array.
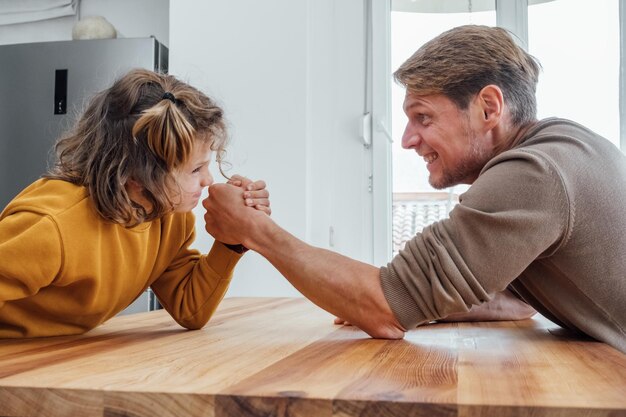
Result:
[
  {"x": 290, "y": 77},
  {"x": 131, "y": 18}
]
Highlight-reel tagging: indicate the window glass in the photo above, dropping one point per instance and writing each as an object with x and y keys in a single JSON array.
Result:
[
  {"x": 415, "y": 203},
  {"x": 409, "y": 31},
  {"x": 577, "y": 43}
]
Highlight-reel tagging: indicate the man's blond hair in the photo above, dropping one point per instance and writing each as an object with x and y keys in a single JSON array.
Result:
[{"x": 460, "y": 62}]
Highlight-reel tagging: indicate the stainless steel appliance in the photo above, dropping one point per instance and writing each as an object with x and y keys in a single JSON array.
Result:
[{"x": 43, "y": 88}]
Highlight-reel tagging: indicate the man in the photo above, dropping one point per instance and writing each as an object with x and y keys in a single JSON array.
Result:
[{"x": 543, "y": 223}]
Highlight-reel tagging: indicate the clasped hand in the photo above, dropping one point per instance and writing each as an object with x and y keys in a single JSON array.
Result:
[
  {"x": 255, "y": 193},
  {"x": 232, "y": 209}
]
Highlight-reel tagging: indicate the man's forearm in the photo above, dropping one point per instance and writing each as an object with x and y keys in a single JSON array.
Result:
[
  {"x": 340, "y": 285},
  {"x": 503, "y": 306}
]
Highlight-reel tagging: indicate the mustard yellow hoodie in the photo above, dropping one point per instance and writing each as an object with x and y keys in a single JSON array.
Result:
[{"x": 64, "y": 269}]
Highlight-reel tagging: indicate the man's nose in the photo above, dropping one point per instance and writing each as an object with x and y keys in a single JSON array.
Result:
[{"x": 410, "y": 138}]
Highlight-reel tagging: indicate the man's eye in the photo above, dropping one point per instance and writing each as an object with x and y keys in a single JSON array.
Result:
[{"x": 423, "y": 119}]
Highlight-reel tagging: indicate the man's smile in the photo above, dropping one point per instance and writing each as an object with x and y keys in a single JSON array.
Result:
[{"x": 431, "y": 157}]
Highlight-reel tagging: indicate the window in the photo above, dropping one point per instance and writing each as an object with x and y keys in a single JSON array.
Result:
[
  {"x": 580, "y": 80},
  {"x": 415, "y": 204},
  {"x": 580, "y": 59}
]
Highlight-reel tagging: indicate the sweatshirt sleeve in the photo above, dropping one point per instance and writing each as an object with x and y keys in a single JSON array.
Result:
[
  {"x": 30, "y": 255},
  {"x": 515, "y": 212},
  {"x": 193, "y": 285}
]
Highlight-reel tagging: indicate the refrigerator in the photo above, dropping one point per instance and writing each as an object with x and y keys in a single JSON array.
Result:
[{"x": 43, "y": 89}]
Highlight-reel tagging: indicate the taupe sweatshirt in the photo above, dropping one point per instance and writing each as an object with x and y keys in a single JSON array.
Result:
[{"x": 546, "y": 218}]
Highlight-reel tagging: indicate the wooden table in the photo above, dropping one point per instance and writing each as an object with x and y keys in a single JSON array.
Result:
[{"x": 284, "y": 357}]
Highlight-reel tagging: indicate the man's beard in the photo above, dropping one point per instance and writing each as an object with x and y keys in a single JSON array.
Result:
[{"x": 468, "y": 168}]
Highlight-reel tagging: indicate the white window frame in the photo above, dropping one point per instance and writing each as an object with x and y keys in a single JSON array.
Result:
[{"x": 381, "y": 131}]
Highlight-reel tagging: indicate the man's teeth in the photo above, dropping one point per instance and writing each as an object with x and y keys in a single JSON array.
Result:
[{"x": 431, "y": 157}]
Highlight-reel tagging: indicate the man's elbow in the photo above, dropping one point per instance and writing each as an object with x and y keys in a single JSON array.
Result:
[{"x": 525, "y": 312}]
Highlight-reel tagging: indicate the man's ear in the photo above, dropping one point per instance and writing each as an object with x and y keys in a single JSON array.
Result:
[{"x": 491, "y": 102}]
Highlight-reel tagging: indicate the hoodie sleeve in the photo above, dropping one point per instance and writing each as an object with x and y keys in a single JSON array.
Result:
[
  {"x": 515, "y": 212},
  {"x": 30, "y": 254},
  {"x": 193, "y": 285}
]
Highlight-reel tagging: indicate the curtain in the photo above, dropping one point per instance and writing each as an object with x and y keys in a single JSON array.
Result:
[{"x": 24, "y": 11}]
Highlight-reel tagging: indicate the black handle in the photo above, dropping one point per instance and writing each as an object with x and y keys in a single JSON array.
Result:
[{"x": 60, "y": 91}]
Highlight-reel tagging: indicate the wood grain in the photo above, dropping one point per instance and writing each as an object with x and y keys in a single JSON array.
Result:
[{"x": 284, "y": 357}]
